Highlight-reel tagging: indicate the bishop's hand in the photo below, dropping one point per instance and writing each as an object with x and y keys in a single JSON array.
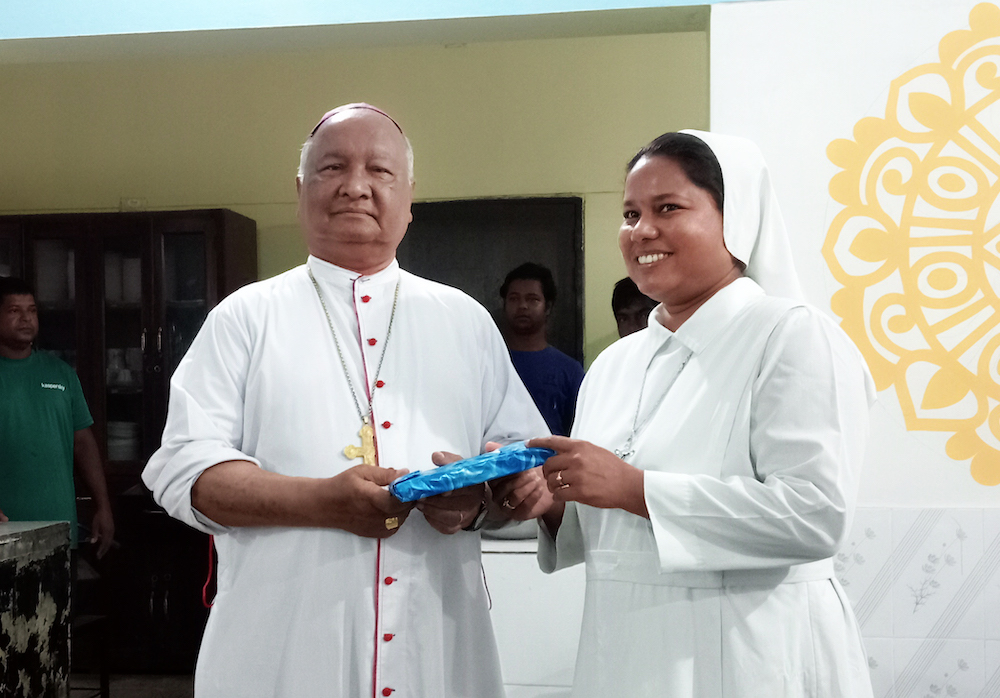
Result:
[
  {"x": 522, "y": 496},
  {"x": 451, "y": 512},
  {"x": 359, "y": 503}
]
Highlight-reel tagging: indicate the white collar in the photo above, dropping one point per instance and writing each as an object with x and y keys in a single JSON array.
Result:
[
  {"x": 344, "y": 279},
  {"x": 714, "y": 315}
]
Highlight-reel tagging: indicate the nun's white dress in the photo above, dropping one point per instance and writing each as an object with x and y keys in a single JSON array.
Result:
[{"x": 753, "y": 423}]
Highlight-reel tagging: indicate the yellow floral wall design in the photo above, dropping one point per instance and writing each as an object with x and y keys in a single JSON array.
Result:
[{"x": 917, "y": 246}]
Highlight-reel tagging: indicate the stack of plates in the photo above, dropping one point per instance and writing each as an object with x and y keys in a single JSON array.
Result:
[{"x": 123, "y": 441}]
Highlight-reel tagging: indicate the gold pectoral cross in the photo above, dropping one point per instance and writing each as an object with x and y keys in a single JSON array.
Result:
[{"x": 366, "y": 451}]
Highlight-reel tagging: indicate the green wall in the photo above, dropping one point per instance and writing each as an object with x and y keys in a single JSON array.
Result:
[{"x": 505, "y": 118}]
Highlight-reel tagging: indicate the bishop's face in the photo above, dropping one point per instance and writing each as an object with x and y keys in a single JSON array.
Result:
[{"x": 355, "y": 191}]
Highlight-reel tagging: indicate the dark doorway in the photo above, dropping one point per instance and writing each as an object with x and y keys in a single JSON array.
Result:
[{"x": 472, "y": 245}]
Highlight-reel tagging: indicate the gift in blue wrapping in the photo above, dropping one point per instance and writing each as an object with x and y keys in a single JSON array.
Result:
[{"x": 506, "y": 460}]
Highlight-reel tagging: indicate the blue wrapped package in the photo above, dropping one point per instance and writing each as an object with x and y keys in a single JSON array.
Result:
[{"x": 506, "y": 460}]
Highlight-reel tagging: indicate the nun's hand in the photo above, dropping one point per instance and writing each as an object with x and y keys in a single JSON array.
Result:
[{"x": 585, "y": 473}]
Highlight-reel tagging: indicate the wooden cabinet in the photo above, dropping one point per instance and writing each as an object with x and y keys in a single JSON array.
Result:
[
  {"x": 120, "y": 298},
  {"x": 154, "y": 583}
]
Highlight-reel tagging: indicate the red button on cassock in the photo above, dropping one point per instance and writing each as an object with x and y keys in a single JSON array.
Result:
[
  {"x": 387, "y": 691},
  {"x": 372, "y": 342},
  {"x": 389, "y": 580},
  {"x": 387, "y": 637},
  {"x": 379, "y": 384},
  {"x": 386, "y": 425},
  {"x": 365, "y": 299}
]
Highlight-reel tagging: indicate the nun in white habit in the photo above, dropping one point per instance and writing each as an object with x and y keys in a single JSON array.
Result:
[{"x": 714, "y": 463}]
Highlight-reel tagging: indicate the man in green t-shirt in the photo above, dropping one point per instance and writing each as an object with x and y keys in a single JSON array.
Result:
[{"x": 44, "y": 428}]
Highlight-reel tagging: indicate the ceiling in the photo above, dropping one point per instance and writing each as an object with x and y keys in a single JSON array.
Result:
[{"x": 390, "y": 33}]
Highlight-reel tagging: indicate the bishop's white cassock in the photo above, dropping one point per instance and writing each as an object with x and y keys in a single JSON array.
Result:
[{"x": 320, "y": 612}]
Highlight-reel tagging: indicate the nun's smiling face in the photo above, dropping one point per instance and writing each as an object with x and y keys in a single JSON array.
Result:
[{"x": 671, "y": 236}]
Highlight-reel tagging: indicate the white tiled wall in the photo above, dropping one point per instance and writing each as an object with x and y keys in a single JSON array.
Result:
[
  {"x": 926, "y": 589},
  {"x": 536, "y": 618},
  {"x": 924, "y": 583}
]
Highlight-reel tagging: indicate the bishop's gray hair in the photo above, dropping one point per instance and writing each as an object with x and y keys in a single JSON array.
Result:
[{"x": 308, "y": 144}]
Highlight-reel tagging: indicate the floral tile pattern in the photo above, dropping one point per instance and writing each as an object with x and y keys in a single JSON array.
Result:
[
  {"x": 925, "y": 586},
  {"x": 991, "y": 593},
  {"x": 880, "y": 664},
  {"x": 926, "y": 595},
  {"x": 932, "y": 668},
  {"x": 863, "y": 568},
  {"x": 992, "y": 684}
]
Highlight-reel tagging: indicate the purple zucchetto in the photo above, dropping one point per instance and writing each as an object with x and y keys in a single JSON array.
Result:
[{"x": 353, "y": 105}]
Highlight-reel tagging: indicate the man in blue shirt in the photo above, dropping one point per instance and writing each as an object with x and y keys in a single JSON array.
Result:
[{"x": 552, "y": 377}]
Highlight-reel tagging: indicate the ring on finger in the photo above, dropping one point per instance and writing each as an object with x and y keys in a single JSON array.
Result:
[
  {"x": 392, "y": 523},
  {"x": 559, "y": 477},
  {"x": 506, "y": 504}
]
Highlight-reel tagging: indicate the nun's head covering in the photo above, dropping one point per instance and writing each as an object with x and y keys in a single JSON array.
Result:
[{"x": 752, "y": 227}]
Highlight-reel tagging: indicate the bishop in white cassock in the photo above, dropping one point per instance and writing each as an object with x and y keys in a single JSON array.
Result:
[{"x": 300, "y": 399}]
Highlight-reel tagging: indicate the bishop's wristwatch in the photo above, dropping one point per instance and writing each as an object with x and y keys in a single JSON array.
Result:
[{"x": 480, "y": 518}]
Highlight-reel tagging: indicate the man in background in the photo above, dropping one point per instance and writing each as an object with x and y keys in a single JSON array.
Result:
[
  {"x": 631, "y": 307},
  {"x": 552, "y": 377},
  {"x": 44, "y": 428}
]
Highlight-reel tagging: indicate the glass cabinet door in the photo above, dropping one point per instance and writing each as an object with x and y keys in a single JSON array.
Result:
[
  {"x": 121, "y": 297},
  {"x": 54, "y": 282},
  {"x": 185, "y": 293},
  {"x": 10, "y": 250},
  {"x": 125, "y": 342}
]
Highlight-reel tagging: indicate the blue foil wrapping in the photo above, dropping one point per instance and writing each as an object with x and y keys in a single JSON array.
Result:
[{"x": 506, "y": 460}]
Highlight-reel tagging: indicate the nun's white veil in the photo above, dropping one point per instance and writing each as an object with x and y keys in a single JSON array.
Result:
[{"x": 752, "y": 227}]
